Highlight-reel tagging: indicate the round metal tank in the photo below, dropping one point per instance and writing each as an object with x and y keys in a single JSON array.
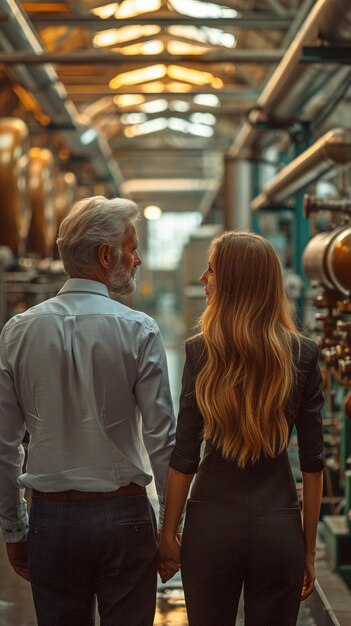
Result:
[
  {"x": 327, "y": 259},
  {"x": 14, "y": 207},
  {"x": 42, "y": 232}
]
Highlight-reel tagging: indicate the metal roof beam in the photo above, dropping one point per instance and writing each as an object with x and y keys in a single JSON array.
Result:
[
  {"x": 254, "y": 20},
  {"x": 113, "y": 58},
  {"x": 81, "y": 90}
]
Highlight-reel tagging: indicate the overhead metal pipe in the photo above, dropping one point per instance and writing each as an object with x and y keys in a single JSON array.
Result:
[
  {"x": 16, "y": 33},
  {"x": 292, "y": 84},
  {"x": 332, "y": 149}
]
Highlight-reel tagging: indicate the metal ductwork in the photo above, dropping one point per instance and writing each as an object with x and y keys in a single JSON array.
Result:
[
  {"x": 293, "y": 84},
  {"x": 81, "y": 138},
  {"x": 334, "y": 148}
]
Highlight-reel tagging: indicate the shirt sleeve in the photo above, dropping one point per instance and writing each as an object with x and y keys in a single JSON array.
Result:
[
  {"x": 186, "y": 455},
  {"x": 13, "y": 508},
  {"x": 153, "y": 395},
  {"x": 308, "y": 422}
]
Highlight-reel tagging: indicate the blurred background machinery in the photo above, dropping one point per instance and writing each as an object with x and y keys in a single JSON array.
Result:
[{"x": 327, "y": 263}]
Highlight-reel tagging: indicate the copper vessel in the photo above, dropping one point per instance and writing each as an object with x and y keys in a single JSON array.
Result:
[
  {"x": 327, "y": 259},
  {"x": 14, "y": 208},
  {"x": 42, "y": 232}
]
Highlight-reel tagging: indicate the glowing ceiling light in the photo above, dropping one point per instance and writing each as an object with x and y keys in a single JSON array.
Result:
[
  {"x": 196, "y": 8},
  {"x": 217, "y": 83},
  {"x": 179, "y": 105},
  {"x": 196, "y": 77},
  {"x": 128, "y": 99},
  {"x": 203, "y": 118},
  {"x": 174, "y": 123},
  {"x": 130, "y": 8},
  {"x": 144, "y": 47},
  {"x": 105, "y": 11},
  {"x": 200, "y": 130},
  {"x": 133, "y": 118},
  {"x": 171, "y": 87},
  {"x": 204, "y": 34},
  {"x": 182, "y": 126},
  {"x": 106, "y": 38},
  {"x": 134, "y": 77},
  {"x": 151, "y": 126},
  {"x": 154, "y": 87},
  {"x": 154, "y": 106},
  {"x": 114, "y": 36},
  {"x": 218, "y": 38},
  {"x": 88, "y": 136},
  {"x": 206, "y": 100},
  {"x": 182, "y": 47},
  {"x": 152, "y": 212},
  {"x": 174, "y": 86}
]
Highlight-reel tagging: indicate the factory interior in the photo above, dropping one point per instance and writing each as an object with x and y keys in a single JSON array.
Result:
[{"x": 211, "y": 116}]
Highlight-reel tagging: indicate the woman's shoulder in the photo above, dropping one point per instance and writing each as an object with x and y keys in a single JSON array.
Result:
[
  {"x": 195, "y": 341},
  {"x": 305, "y": 350},
  {"x": 195, "y": 348}
]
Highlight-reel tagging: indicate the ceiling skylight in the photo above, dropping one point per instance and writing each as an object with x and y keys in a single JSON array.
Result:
[
  {"x": 195, "y": 8},
  {"x": 206, "y": 99},
  {"x": 204, "y": 34},
  {"x": 131, "y": 8},
  {"x": 128, "y": 100},
  {"x": 114, "y": 36},
  {"x": 106, "y": 11},
  {"x": 173, "y": 123},
  {"x": 176, "y": 72}
]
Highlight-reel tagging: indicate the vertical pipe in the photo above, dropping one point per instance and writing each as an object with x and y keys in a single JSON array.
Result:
[{"x": 237, "y": 194}]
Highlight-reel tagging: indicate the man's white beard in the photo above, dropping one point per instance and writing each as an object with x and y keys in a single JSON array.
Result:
[{"x": 121, "y": 281}]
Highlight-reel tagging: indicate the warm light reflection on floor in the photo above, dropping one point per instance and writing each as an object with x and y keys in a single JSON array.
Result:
[{"x": 170, "y": 608}]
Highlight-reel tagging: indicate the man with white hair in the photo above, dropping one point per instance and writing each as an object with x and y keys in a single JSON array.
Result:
[{"x": 87, "y": 377}]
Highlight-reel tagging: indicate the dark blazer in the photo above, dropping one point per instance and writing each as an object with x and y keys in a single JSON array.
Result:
[{"x": 303, "y": 410}]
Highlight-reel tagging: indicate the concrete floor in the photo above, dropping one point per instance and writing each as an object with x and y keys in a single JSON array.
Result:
[{"x": 330, "y": 604}]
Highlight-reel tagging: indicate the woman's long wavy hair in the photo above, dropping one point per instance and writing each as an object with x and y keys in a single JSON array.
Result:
[{"x": 243, "y": 388}]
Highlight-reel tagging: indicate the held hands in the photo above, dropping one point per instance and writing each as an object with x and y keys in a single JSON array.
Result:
[
  {"x": 169, "y": 557},
  {"x": 17, "y": 554}
]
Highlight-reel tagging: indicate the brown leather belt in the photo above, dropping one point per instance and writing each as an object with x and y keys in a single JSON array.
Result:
[{"x": 72, "y": 494}]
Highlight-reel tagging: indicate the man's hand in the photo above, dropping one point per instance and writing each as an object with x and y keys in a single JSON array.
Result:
[
  {"x": 169, "y": 558},
  {"x": 17, "y": 554}
]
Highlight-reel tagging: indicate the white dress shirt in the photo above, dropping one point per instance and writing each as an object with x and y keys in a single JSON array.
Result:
[{"x": 87, "y": 377}]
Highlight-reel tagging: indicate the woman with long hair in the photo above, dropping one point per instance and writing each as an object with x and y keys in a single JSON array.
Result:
[{"x": 249, "y": 378}]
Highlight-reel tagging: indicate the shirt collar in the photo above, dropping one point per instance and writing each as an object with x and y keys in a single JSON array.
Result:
[{"x": 83, "y": 285}]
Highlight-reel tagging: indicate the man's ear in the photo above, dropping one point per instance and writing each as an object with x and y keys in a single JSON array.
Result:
[{"x": 105, "y": 255}]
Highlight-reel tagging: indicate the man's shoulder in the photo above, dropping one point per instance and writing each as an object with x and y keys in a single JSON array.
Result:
[
  {"x": 27, "y": 315},
  {"x": 123, "y": 311}
]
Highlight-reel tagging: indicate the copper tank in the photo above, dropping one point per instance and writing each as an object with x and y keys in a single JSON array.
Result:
[
  {"x": 14, "y": 207},
  {"x": 42, "y": 232},
  {"x": 327, "y": 259}
]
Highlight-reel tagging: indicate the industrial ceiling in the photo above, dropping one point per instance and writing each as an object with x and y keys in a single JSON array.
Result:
[{"x": 146, "y": 98}]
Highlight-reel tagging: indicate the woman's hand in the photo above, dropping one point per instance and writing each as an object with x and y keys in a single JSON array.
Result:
[
  {"x": 309, "y": 577},
  {"x": 169, "y": 558}
]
